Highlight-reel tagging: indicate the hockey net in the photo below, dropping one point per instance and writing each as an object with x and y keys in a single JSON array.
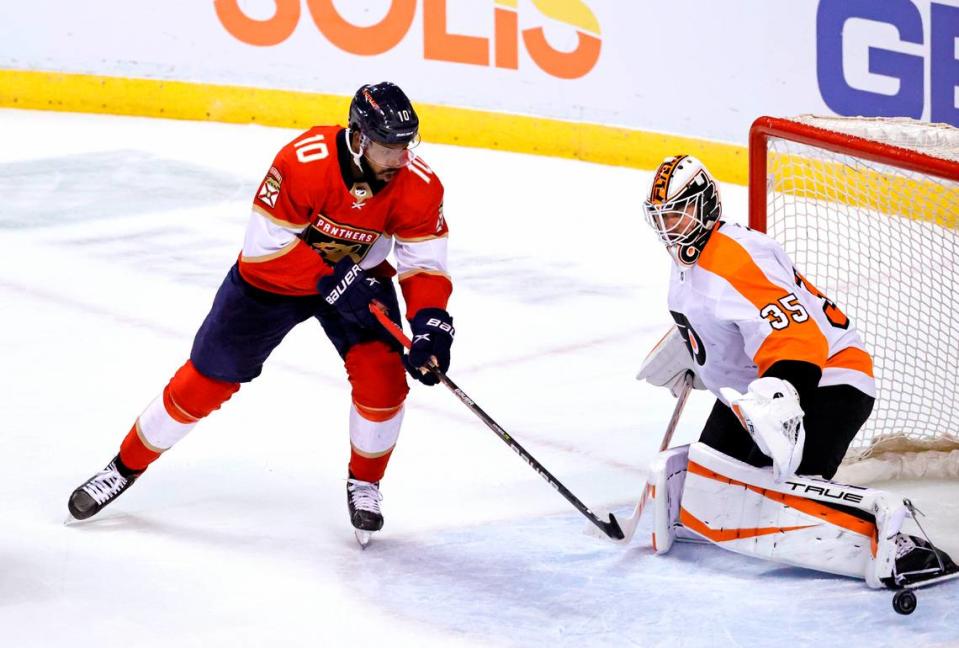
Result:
[{"x": 868, "y": 209}]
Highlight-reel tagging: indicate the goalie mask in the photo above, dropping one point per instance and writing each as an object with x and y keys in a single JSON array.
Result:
[
  {"x": 387, "y": 124},
  {"x": 683, "y": 207}
]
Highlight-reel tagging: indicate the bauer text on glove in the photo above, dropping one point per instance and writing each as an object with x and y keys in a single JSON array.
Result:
[{"x": 350, "y": 290}]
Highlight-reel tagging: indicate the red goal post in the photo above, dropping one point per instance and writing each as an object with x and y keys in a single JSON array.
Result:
[{"x": 868, "y": 209}]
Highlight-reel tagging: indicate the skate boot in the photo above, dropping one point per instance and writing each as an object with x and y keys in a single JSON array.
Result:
[
  {"x": 904, "y": 560},
  {"x": 917, "y": 560},
  {"x": 363, "y": 499},
  {"x": 101, "y": 489},
  {"x": 918, "y": 564}
]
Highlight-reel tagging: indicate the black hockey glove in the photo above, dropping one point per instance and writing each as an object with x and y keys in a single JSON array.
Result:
[
  {"x": 350, "y": 291},
  {"x": 432, "y": 338}
]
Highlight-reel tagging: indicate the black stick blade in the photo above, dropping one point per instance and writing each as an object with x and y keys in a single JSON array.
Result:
[{"x": 612, "y": 528}]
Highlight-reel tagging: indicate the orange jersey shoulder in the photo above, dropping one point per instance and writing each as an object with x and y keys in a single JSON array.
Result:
[
  {"x": 302, "y": 172},
  {"x": 418, "y": 212}
]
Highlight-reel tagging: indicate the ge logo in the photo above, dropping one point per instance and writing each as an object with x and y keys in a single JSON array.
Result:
[{"x": 875, "y": 58}]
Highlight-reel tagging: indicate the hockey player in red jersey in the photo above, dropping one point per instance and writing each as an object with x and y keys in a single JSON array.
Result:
[
  {"x": 794, "y": 384},
  {"x": 332, "y": 205}
]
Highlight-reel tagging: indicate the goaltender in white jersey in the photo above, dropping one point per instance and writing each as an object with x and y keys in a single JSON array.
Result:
[
  {"x": 744, "y": 308},
  {"x": 794, "y": 384}
]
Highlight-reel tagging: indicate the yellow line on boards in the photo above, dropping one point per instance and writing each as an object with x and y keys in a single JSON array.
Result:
[
  {"x": 39, "y": 90},
  {"x": 865, "y": 187}
]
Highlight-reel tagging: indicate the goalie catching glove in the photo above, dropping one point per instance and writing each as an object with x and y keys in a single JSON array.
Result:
[
  {"x": 770, "y": 412},
  {"x": 668, "y": 362},
  {"x": 432, "y": 338}
]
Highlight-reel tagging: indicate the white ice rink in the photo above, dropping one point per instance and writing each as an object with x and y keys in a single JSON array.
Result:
[{"x": 115, "y": 233}]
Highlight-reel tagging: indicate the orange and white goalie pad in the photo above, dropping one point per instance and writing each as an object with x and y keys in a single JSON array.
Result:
[
  {"x": 804, "y": 522},
  {"x": 667, "y": 476}
]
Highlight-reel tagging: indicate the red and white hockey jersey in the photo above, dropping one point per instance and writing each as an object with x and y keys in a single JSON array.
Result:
[
  {"x": 306, "y": 216},
  {"x": 743, "y": 307}
]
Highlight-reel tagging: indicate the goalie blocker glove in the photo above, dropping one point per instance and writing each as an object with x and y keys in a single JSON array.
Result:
[
  {"x": 770, "y": 412},
  {"x": 432, "y": 338},
  {"x": 667, "y": 363},
  {"x": 350, "y": 291}
]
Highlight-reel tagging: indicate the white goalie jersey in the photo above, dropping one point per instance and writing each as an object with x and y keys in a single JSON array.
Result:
[{"x": 743, "y": 307}]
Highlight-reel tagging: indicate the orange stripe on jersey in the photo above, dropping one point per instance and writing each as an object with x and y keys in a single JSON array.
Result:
[
  {"x": 410, "y": 273},
  {"x": 269, "y": 257},
  {"x": 807, "y": 506},
  {"x": 418, "y": 239},
  {"x": 802, "y": 341},
  {"x": 806, "y": 347},
  {"x": 299, "y": 227},
  {"x": 852, "y": 358},
  {"x": 295, "y": 273}
]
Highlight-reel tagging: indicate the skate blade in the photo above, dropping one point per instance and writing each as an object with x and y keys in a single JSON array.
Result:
[
  {"x": 935, "y": 580},
  {"x": 363, "y": 537}
]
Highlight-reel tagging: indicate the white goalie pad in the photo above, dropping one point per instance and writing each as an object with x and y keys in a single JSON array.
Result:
[
  {"x": 667, "y": 476},
  {"x": 810, "y": 523},
  {"x": 667, "y": 363}
]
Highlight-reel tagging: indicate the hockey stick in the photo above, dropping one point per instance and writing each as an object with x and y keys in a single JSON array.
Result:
[
  {"x": 629, "y": 524},
  {"x": 610, "y": 528}
]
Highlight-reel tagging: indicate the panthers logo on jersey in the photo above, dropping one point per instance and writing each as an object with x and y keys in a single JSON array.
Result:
[{"x": 334, "y": 241}]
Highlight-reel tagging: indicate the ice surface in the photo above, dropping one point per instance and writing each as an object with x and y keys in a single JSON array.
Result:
[{"x": 115, "y": 232}]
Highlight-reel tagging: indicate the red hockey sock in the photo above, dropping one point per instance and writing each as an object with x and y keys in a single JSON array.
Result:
[
  {"x": 187, "y": 398},
  {"x": 134, "y": 454},
  {"x": 368, "y": 469}
]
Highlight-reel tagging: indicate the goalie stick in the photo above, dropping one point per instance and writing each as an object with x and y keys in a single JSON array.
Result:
[
  {"x": 629, "y": 524},
  {"x": 611, "y": 528}
]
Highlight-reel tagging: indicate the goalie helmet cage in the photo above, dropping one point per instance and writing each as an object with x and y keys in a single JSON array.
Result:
[{"x": 868, "y": 209}]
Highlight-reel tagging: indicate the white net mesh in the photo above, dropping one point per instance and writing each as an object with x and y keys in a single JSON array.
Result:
[
  {"x": 936, "y": 140},
  {"x": 881, "y": 242}
]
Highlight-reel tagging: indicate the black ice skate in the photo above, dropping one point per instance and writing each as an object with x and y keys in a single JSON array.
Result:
[
  {"x": 363, "y": 499},
  {"x": 917, "y": 561},
  {"x": 918, "y": 564},
  {"x": 101, "y": 489}
]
